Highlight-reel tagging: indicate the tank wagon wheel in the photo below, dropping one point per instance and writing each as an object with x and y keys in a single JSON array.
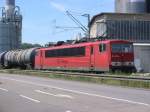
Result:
[{"x": 29, "y": 67}]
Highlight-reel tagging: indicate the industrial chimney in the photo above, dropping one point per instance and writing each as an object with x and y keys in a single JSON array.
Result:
[{"x": 10, "y": 7}]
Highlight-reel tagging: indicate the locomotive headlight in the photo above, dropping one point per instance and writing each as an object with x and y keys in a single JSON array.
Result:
[
  {"x": 122, "y": 63},
  {"x": 116, "y": 63},
  {"x": 128, "y": 63}
]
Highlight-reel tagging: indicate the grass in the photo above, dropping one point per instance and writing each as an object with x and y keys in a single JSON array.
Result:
[
  {"x": 120, "y": 73},
  {"x": 98, "y": 80}
]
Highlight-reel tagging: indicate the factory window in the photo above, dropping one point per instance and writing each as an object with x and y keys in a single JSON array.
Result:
[
  {"x": 66, "y": 52},
  {"x": 102, "y": 47}
]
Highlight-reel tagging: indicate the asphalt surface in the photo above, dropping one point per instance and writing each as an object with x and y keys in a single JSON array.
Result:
[{"x": 20, "y": 93}]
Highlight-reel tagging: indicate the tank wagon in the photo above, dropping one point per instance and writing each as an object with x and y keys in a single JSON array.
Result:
[
  {"x": 18, "y": 58},
  {"x": 90, "y": 56},
  {"x": 2, "y": 59}
]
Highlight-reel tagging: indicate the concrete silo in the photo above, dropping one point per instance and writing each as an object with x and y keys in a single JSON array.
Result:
[
  {"x": 131, "y": 6},
  {"x": 10, "y": 26}
]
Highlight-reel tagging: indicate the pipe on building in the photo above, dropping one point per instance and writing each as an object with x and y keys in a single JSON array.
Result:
[
  {"x": 10, "y": 8},
  {"x": 10, "y": 2}
]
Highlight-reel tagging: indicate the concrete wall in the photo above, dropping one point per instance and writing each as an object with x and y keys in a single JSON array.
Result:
[
  {"x": 142, "y": 57},
  {"x": 93, "y": 30}
]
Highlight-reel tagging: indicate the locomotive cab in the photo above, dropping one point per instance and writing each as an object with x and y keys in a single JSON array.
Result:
[{"x": 122, "y": 56}]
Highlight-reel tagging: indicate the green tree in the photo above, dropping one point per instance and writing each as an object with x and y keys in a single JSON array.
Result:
[{"x": 29, "y": 45}]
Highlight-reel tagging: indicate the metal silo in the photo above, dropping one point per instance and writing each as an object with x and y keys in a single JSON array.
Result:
[
  {"x": 131, "y": 6},
  {"x": 10, "y": 26},
  {"x": 148, "y": 5},
  {"x": 121, "y": 6},
  {"x": 136, "y": 6}
]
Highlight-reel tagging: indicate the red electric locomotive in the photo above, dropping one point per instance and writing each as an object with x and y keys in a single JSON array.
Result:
[{"x": 92, "y": 56}]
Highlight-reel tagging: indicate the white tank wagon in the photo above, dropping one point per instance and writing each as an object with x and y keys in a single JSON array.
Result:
[{"x": 21, "y": 58}]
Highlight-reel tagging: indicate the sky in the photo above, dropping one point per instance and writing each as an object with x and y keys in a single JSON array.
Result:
[{"x": 41, "y": 16}]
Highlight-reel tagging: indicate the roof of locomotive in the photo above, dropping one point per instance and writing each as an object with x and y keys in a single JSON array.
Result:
[{"x": 85, "y": 44}]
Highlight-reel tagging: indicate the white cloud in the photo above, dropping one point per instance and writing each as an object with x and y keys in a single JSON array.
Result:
[{"x": 58, "y": 6}]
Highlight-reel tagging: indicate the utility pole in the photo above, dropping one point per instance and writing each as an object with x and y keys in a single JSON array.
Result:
[{"x": 88, "y": 26}]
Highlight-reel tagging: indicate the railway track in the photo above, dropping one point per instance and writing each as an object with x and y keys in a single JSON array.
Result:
[
  {"x": 102, "y": 75},
  {"x": 116, "y": 80}
]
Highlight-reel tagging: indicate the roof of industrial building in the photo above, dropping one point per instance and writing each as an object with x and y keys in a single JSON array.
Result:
[{"x": 142, "y": 15}]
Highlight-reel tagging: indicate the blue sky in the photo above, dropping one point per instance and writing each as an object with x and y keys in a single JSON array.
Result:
[{"x": 40, "y": 17}]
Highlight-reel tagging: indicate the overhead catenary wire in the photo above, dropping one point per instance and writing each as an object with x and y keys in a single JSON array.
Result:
[{"x": 78, "y": 23}]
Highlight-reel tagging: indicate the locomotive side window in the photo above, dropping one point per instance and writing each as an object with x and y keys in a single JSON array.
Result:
[
  {"x": 78, "y": 51},
  {"x": 92, "y": 50},
  {"x": 102, "y": 47},
  {"x": 36, "y": 53}
]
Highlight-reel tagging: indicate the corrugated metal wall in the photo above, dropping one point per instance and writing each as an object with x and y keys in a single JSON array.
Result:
[{"x": 134, "y": 30}]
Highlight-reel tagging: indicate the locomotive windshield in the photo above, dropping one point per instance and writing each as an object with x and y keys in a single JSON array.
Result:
[{"x": 119, "y": 48}]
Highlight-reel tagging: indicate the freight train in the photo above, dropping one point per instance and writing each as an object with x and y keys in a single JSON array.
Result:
[{"x": 98, "y": 55}]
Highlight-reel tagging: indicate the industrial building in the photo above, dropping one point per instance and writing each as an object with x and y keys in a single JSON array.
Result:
[
  {"x": 133, "y": 27},
  {"x": 10, "y": 26}
]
